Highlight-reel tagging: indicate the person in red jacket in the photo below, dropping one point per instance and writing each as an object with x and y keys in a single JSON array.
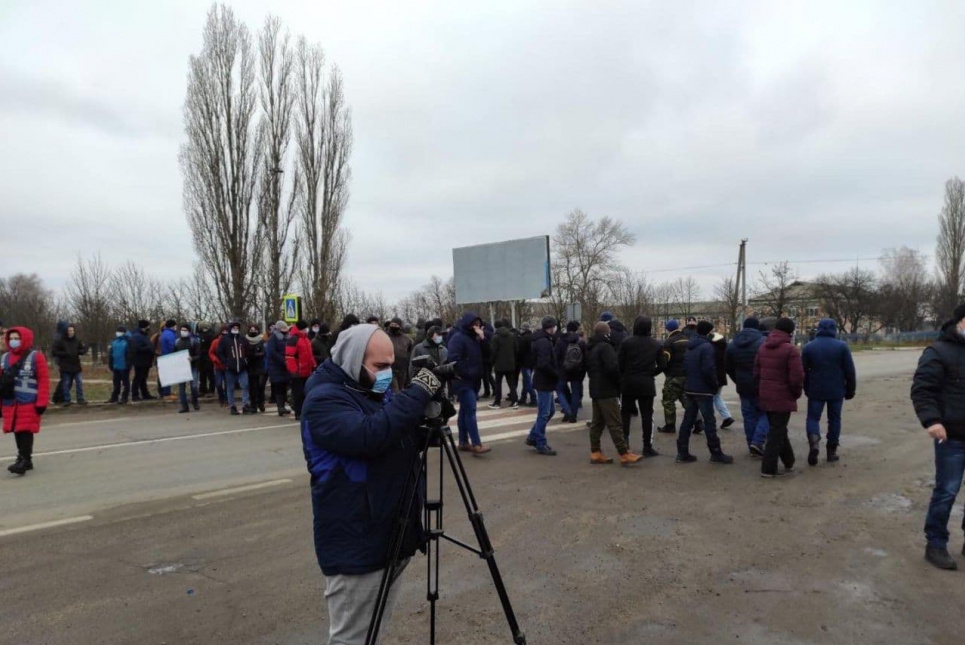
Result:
[
  {"x": 779, "y": 374},
  {"x": 219, "y": 377},
  {"x": 300, "y": 362},
  {"x": 28, "y": 395}
]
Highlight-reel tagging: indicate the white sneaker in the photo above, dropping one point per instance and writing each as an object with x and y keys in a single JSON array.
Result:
[{"x": 493, "y": 406}]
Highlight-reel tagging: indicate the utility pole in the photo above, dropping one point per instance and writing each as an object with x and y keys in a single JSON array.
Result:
[{"x": 740, "y": 286}]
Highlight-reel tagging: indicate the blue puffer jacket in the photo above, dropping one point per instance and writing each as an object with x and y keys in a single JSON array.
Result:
[
  {"x": 739, "y": 360},
  {"x": 168, "y": 338},
  {"x": 275, "y": 359},
  {"x": 828, "y": 367},
  {"x": 358, "y": 449},
  {"x": 700, "y": 367},
  {"x": 465, "y": 350}
]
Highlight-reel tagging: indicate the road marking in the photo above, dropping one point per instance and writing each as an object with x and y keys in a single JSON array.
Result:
[
  {"x": 241, "y": 489},
  {"x": 46, "y": 525},
  {"x": 145, "y": 442},
  {"x": 87, "y": 423}
]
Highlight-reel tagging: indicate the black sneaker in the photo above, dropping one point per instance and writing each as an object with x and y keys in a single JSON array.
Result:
[
  {"x": 832, "y": 453},
  {"x": 728, "y": 422},
  {"x": 780, "y": 473},
  {"x": 756, "y": 450},
  {"x": 234, "y": 411},
  {"x": 937, "y": 556},
  {"x": 648, "y": 451},
  {"x": 530, "y": 442},
  {"x": 109, "y": 401},
  {"x": 494, "y": 406},
  {"x": 246, "y": 410},
  {"x": 196, "y": 405},
  {"x": 721, "y": 458},
  {"x": 546, "y": 450},
  {"x": 698, "y": 428},
  {"x": 667, "y": 429},
  {"x": 81, "y": 402},
  {"x": 28, "y": 464},
  {"x": 686, "y": 459},
  {"x": 183, "y": 410}
]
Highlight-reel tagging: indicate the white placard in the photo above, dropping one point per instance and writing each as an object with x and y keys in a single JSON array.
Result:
[{"x": 174, "y": 368}]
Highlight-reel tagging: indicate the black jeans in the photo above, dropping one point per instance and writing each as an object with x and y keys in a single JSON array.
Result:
[
  {"x": 629, "y": 404},
  {"x": 122, "y": 378},
  {"x": 778, "y": 445},
  {"x": 510, "y": 378},
  {"x": 257, "y": 387},
  {"x": 280, "y": 390},
  {"x": 699, "y": 406},
  {"x": 298, "y": 394},
  {"x": 488, "y": 383},
  {"x": 25, "y": 444},
  {"x": 139, "y": 387},
  {"x": 206, "y": 380}
]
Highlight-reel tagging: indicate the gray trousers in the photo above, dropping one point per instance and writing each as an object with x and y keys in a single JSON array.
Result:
[{"x": 351, "y": 601}]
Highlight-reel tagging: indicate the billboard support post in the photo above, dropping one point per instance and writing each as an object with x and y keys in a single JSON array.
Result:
[
  {"x": 512, "y": 313},
  {"x": 492, "y": 315}
]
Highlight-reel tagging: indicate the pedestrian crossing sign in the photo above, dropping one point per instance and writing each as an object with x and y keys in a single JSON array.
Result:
[{"x": 292, "y": 309}]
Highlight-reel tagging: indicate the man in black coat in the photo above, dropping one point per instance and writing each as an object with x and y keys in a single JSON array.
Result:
[
  {"x": 639, "y": 358},
  {"x": 143, "y": 359},
  {"x": 527, "y": 362},
  {"x": 938, "y": 394},
  {"x": 739, "y": 365},
  {"x": 504, "y": 363},
  {"x": 67, "y": 350},
  {"x": 604, "y": 371}
]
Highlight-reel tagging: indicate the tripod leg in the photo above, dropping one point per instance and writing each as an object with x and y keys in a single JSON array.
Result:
[
  {"x": 482, "y": 536},
  {"x": 410, "y": 491}
]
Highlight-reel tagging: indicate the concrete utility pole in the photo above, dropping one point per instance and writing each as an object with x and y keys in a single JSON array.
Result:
[{"x": 741, "y": 283}]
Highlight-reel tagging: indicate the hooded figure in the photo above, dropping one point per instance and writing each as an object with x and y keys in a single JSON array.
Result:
[
  {"x": 829, "y": 379},
  {"x": 465, "y": 350},
  {"x": 26, "y": 373},
  {"x": 739, "y": 365},
  {"x": 359, "y": 446},
  {"x": 780, "y": 376}
]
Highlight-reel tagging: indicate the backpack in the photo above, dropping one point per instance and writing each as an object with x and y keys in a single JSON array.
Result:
[{"x": 573, "y": 360}]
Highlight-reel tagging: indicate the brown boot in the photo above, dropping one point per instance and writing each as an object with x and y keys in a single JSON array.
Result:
[
  {"x": 600, "y": 458},
  {"x": 628, "y": 458}
]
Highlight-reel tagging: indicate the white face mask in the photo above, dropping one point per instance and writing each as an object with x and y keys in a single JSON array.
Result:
[
  {"x": 185, "y": 334},
  {"x": 118, "y": 334},
  {"x": 315, "y": 329}
]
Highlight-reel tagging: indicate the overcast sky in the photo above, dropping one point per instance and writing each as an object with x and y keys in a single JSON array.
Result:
[{"x": 819, "y": 131}]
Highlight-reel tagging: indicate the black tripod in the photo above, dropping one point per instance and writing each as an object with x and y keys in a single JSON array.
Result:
[{"x": 438, "y": 436}]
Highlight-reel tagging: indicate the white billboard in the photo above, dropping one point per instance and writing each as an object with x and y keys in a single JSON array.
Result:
[{"x": 503, "y": 271}]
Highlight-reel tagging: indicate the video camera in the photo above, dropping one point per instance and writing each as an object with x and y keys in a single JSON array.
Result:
[{"x": 440, "y": 409}]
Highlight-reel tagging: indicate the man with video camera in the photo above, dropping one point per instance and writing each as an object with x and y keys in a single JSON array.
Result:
[{"x": 360, "y": 442}]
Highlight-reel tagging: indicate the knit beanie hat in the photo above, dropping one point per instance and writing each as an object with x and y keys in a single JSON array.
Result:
[
  {"x": 704, "y": 327},
  {"x": 143, "y": 324},
  {"x": 672, "y": 325},
  {"x": 768, "y": 323},
  {"x": 572, "y": 326},
  {"x": 606, "y": 316},
  {"x": 301, "y": 325},
  {"x": 787, "y": 325},
  {"x": 548, "y": 322},
  {"x": 752, "y": 323}
]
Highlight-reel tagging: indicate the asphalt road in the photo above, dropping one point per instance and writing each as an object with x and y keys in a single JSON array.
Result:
[{"x": 197, "y": 529}]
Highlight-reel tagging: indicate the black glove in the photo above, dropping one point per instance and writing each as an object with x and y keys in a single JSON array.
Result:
[
  {"x": 445, "y": 372},
  {"x": 849, "y": 396},
  {"x": 448, "y": 409},
  {"x": 427, "y": 381},
  {"x": 40, "y": 410}
]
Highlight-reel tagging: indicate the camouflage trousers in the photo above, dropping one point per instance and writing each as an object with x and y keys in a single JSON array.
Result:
[{"x": 673, "y": 391}]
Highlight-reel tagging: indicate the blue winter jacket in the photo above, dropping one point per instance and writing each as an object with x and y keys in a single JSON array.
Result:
[
  {"x": 359, "y": 448},
  {"x": 275, "y": 360},
  {"x": 121, "y": 355},
  {"x": 465, "y": 350},
  {"x": 700, "y": 367},
  {"x": 828, "y": 367},
  {"x": 739, "y": 360},
  {"x": 168, "y": 338}
]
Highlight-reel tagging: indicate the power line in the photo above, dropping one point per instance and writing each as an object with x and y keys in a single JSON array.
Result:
[{"x": 761, "y": 262}]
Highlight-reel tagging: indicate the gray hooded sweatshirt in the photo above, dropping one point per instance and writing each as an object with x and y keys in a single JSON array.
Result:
[{"x": 349, "y": 350}]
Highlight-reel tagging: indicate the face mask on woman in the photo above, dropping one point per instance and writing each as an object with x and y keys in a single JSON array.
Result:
[{"x": 14, "y": 343}]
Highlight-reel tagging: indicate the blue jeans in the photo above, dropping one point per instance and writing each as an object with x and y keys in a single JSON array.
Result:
[
  {"x": 528, "y": 389},
  {"x": 704, "y": 406},
  {"x": 183, "y": 389},
  {"x": 755, "y": 421},
  {"x": 69, "y": 379},
  {"x": 563, "y": 394},
  {"x": 468, "y": 426},
  {"x": 949, "y": 471},
  {"x": 546, "y": 410},
  {"x": 219, "y": 381},
  {"x": 576, "y": 396},
  {"x": 721, "y": 406},
  {"x": 816, "y": 409},
  {"x": 231, "y": 378}
]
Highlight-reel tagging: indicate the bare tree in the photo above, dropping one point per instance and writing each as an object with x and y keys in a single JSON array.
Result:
[
  {"x": 850, "y": 298},
  {"x": 685, "y": 292},
  {"x": 728, "y": 302},
  {"x": 279, "y": 196},
  {"x": 905, "y": 290},
  {"x": 774, "y": 289},
  {"x": 26, "y": 302},
  {"x": 136, "y": 295},
  {"x": 90, "y": 303},
  {"x": 585, "y": 259},
  {"x": 324, "y": 147},
  {"x": 222, "y": 157},
  {"x": 950, "y": 253},
  {"x": 631, "y": 295},
  {"x": 663, "y": 300}
]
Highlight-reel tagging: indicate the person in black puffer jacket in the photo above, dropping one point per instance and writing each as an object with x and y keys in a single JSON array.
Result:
[
  {"x": 639, "y": 358},
  {"x": 938, "y": 394},
  {"x": 504, "y": 363},
  {"x": 526, "y": 362},
  {"x": 739, "y": 365},
  {"x": 546, "y": 376},
  {"x": 571, "y": 358}
]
